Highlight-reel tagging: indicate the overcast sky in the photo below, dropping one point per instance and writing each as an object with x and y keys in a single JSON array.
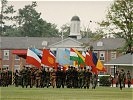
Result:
[{"x": 61, "y": 12}]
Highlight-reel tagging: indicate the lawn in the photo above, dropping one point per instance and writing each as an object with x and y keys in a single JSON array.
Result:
[{"x": 100, "y": 93}]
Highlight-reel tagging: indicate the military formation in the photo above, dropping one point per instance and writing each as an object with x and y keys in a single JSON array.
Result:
[
  {"x": 56, "y": 78},
  {"x": 59, "y": 78}
]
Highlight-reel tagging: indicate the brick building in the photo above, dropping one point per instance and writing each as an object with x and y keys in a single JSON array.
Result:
[{"x": 13, "y": 49}]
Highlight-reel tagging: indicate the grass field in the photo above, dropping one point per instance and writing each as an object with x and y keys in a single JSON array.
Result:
[{"x": 100, "y": 93}]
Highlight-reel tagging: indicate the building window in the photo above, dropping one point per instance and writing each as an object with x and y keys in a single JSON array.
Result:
[
  {"x": 102, "y": 56},
  {"x": 6, "y": 55},
  {"x": 113, "y": 55},
  {"x": 16, "y": 67},
  {"x": 5, "y": 67},
  {"x": 17, "y": 57},
  {"x": 100, "y": 43}
]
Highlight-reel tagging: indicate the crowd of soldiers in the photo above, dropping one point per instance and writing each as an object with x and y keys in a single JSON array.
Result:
[
  {"x": 71, "y": 78},
  {"x": 5, "y": 77},
  {"x": 46, "y": 77}
]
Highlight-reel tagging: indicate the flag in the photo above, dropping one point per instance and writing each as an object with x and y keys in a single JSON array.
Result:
[
  {"x": 76, "y": 56},
  {"x": 73, "y": 55},
  {"x": 48, "y": 58},
  {"x": 63, "y": 56},
  {"x": 33, "y": 57},
  {"x": 89, "y": 59},
  {"x": 98, "y": 64}
]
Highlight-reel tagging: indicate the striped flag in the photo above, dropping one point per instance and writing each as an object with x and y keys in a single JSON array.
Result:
[
  {"x": 34, "y": 57},
  {"x": 75, "y": 55}
]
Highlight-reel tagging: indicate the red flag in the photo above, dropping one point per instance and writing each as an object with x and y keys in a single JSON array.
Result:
[
  {"x": 89, "y": 59},
  {"x": 48, "y": 58}
]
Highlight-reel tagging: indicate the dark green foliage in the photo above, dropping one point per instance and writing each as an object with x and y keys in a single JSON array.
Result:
[{"x": 104, "y": 81}]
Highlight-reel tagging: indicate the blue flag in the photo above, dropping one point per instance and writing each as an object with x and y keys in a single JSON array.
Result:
[{"x": 63, "y": 56}]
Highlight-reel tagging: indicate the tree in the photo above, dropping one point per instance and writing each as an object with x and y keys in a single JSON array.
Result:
[
  {"x": 119, "y": 21},
  {"x": 31, "y": 24},
  {"x": 6, "y": 15},
  {"x": 86, "y": 32},
  {"x": 65, "y": 29}
]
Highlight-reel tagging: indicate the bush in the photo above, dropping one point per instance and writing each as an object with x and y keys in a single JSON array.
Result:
[{"x": 104, "y": 81}]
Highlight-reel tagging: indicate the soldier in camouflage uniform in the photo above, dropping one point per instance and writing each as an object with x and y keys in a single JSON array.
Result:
[
  {"x": 47, "y": 78},
  {"x": 94, "y": 80},
  {"x": 43, "y": 77},
  {"x": 32, "y": 77},
  {"x": 16, "y": 76},
  {"x": 68, "y": 80},
  {"x": 122, "y": 78},
  {"x": 80, "y": 77},
  {"x": 53, "y": 77},
  {"x": 88, "y": 76},
  {"x": 38, "y": 77},
  {"x": 23, "y": 76}
]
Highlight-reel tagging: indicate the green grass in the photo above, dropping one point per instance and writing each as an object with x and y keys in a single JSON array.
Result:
[{"x": 100, "y": 93}]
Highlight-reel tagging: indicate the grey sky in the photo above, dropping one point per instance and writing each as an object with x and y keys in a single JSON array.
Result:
[{"x": 61, "y": 12}]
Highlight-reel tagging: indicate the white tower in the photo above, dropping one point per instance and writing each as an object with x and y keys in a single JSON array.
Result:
[{"x": 75, "y": 28}]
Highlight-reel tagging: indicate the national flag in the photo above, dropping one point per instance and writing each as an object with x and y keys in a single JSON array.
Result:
[
  {"x": 89, "y": 59},
  {"x": 48, "y": 58},
  {"x": 75, "y": 55},
  {"x": 33, "y": 57},
  {"x": 98, "y": 63},
  {"x": 63, "y": 56}
]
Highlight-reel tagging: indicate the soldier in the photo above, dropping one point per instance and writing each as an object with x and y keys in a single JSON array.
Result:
[
  {"x": 53, "y": 77},
  {"x": 38, "y": 77},
  {"x": 32, "y": 77},
  {"x": 23, "y": 76},
  {"x": 47, "y": 78},
  {"x": 81, "y": 77},
  {"x": 122, "y": 78},
  {"x": 16, "y": 75},
  {"x": 58, "y": 78},
  {"x": 94, "y": 80},
  {"x": 43, "y": 77},
  {"x": 7, "y": 77},
  {"x": 68, "y": 72},
  {"x": 88, "y": 76},
  {"x": 75, "y": 77},
  {"x": 63, "y": 77},
  {"x": 129, "y": 79}
]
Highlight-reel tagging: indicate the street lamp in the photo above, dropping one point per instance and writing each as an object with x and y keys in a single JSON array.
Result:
[{"x": 88, "y": 28}]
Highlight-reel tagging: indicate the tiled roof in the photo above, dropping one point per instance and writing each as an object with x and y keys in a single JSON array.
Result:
[
  {"x": 124, "y": 60},
  {"x": 25, "y": 42}
]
